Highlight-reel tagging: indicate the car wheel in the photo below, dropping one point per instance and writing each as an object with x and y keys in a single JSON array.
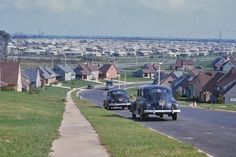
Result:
[
  {"x": 161, "y": 116},
  {"x": 141, "y": 116},
  {"x": 174, "y": 116},
  {"x": 133, "y": 115}
]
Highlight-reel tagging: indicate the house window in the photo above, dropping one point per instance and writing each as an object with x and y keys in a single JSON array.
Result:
[{"x": 233, "y": 99}]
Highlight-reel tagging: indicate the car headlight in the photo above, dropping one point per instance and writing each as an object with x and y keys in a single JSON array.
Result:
[
  {"x": 175, "y": 105},
  {"x": 148, "y": 105}
]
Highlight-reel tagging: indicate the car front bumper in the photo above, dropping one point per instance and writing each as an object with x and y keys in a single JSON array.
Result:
[
  {"x": 161, "y": 111},
  {"x": 119, "y": 104}
]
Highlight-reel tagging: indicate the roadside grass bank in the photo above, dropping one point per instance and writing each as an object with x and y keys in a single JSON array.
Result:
[
  {"x": 124, "y": 138},
  {"x": 29, "y": 123},
  {"x": 78, "y": 83},
  {"x": 226, "y": 107}
]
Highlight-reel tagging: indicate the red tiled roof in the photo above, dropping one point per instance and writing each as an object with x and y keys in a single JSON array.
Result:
[
  {"x": 82, "y": 69},
  {"x": 211, "y": 84},
  {"x": 106, "y": 67},
  {"x": 227, "y": 78},
  {"x": 201, "y": 79},
  {"x": 170, "y": 75},
  {"x": 9, "y": 72},
  {"x": 92, "y": 67}
]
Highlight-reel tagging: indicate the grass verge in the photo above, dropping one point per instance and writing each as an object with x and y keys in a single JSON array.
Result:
[
  {"x": 227, "y": 107},
  {"x": 125, "y": 138},
  {"x": 29, "y": 123},
  {"x": 130, "y": 78},
  {"x": 78, "y": 83}
]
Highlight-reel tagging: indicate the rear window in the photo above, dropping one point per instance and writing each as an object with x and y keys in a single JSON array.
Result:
[{"x": 157, "y": 94}]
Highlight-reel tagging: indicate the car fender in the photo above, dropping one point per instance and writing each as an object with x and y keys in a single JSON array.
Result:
[{"x": 133, "y": 106}]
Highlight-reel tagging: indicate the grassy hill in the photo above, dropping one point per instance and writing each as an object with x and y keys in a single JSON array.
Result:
[{"x": 29, "y": 123}]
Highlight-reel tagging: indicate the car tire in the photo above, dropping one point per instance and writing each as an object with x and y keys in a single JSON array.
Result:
[
  {"x": 161, "y": 116},
  {"x": 174, "y": 116},
  {"x": 141, "y": 116},
  {"x": 133, "y": 115}
]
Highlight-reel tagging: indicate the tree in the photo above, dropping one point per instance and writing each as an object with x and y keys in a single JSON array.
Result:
[{"x": 4, "y": 40}]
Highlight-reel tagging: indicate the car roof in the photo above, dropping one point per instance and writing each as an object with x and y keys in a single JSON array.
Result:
[{"x": 153, "y": 86}]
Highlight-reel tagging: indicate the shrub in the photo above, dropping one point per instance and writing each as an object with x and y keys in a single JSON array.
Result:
[
  {"x": 177, "y": 95},
  {"x": 33, "y": 90},
  {"x": 220, "y": 100}
]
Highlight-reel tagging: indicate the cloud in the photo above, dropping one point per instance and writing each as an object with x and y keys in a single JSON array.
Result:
[
  {"x": 43, "y": 5},
  {"x": 173, "y": 6},
  {"x": 93, "y": 6}
]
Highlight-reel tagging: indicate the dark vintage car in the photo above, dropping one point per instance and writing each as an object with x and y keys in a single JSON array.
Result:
[
  {"x": 117, "y": 98},
  {"x": 90, "y": 86},
  {"x": 154, "y": 99},
  {"x": 109, "y": 85}
]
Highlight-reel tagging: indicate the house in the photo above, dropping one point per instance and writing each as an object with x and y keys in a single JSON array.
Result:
[
  {"x": 87, "y": 72},
  {"x": 168, "y": 79},
  {"x": 25, "y": 82},
  {"x": 184, "y": 65},
  {"x": 148, "y": 71},
  {"x": 208, "y": 94},
  {"x": 218, "y": 62},
  {"x": 94, "y": 71},
  {"x": 11, "y": 75},
  {"x": 197, "y": 83},
  {"x": 65, "y": 72},
  {"x": 228, "y": 65},
  {"x": 82, "y": 72},
  {"x": 109, "y": 71},
  {"x": 48, "y": 76},
  {"x": 34, "y": 77},
  {"x": 226, "y": 87},
  {"x": 180, "y": 84}
]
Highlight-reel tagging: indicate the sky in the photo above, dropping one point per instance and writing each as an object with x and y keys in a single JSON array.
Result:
[{"x": 143, "y": 18}]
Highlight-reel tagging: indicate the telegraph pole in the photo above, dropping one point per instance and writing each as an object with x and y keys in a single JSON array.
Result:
[{"x": 159, "y": 73}]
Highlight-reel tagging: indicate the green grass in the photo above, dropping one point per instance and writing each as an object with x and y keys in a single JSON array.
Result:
[
  {"x": 227, "y": 107},
  {"x": 130, "y": 78},
  {"x": 29, "y": 123},
  {"x": 78, "y": 83},
  {"x": 125, "y": 138},
  {"x": 206, "y": 65},
  {"x": 132, "y": 91}
]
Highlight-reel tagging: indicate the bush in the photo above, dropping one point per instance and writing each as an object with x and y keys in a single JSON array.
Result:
[
  {"x": 33, "y": 90},
  {"x": 177, "y": 95},
  {"x": 197, "y": 99},
  {"x": 220, "y": 100},
  {"x": 64, "y": 100}
]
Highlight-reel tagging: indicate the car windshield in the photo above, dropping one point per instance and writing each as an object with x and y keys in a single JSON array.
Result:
[
  {"x": 109, "y": 83},
  {"x": 157, "y": 94},
  {"x": 118, "y": 92}
]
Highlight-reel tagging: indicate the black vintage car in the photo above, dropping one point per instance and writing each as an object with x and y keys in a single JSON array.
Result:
[
  {"x": 117, "y": 98},
  {"x": 154, "y": 99}
]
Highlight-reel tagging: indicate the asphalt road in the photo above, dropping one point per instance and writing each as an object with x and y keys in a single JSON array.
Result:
[{"x": 213, "y": 132}]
